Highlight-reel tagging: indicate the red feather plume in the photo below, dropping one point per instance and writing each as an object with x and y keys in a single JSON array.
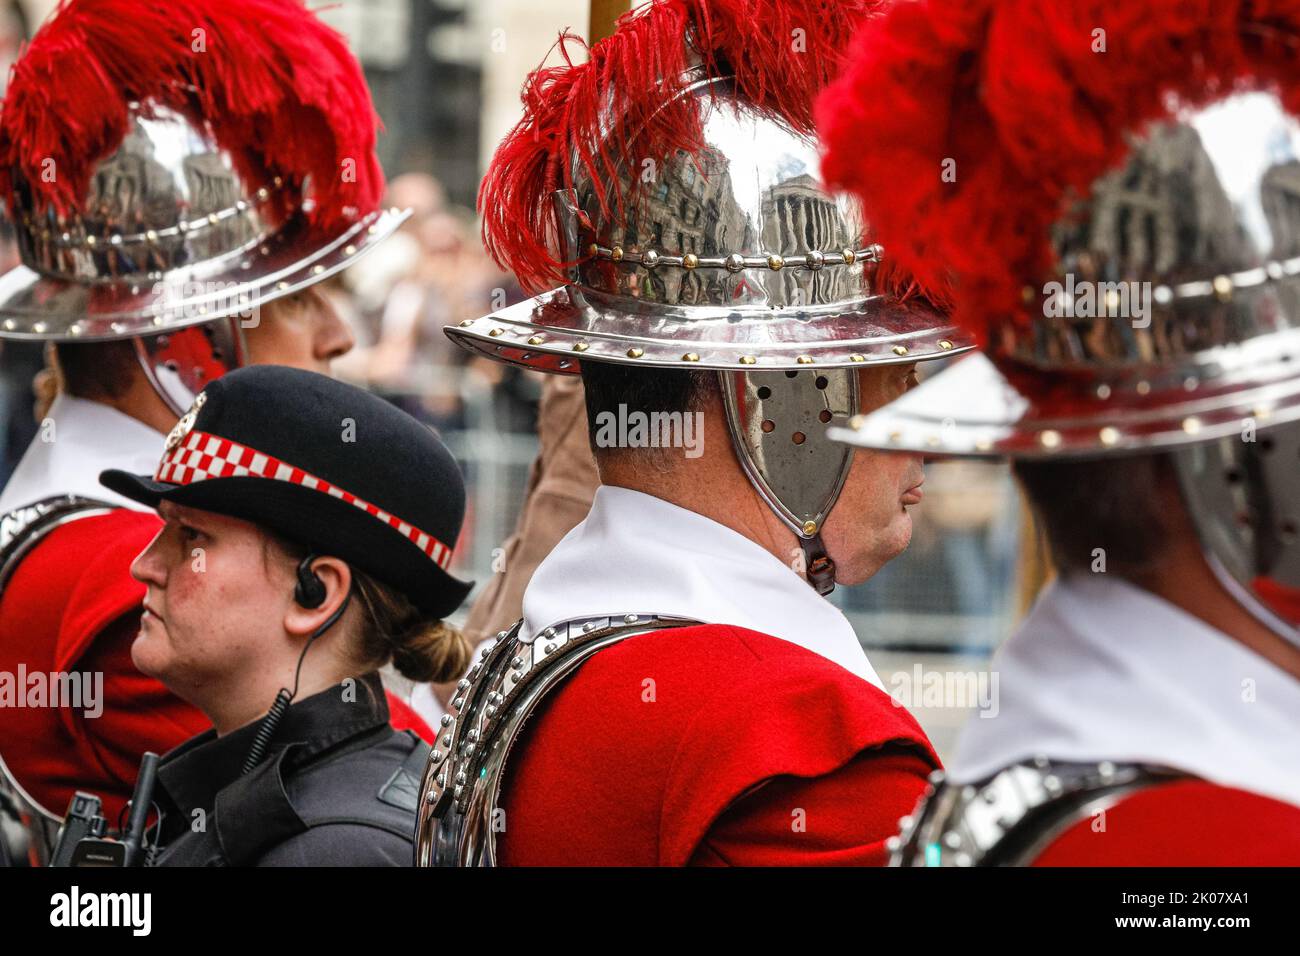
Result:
[
  {"x": 1019, "y": 99},
  {"x": 781, "y": 53},
  {"x": 272, "y": 83}
]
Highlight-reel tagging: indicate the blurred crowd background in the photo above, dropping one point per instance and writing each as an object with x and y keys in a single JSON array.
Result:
[{"x": 446, "y": 76}]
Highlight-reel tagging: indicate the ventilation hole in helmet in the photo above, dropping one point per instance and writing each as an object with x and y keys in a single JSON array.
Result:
[
  {"x": 768, "y": 424},
  {"x": 821, "y": 381},
  {"x": 798, "y": 438},
  {"x": 764, "y": 392},
  {"x": 791, "y": 373},
  {"x": 824, "y": 415}
]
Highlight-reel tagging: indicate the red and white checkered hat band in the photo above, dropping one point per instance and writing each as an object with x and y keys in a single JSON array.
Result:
[{"x": 200, "y": 456}]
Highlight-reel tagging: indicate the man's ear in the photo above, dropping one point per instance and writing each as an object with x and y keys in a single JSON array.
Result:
[{"x": 336, "y": 578}]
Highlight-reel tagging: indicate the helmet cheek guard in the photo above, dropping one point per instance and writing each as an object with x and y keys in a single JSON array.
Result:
[
  {"x": 179, "y": 364},
  {"x": 778, "y": 423},
  {"x": 1243, "y": 498}
]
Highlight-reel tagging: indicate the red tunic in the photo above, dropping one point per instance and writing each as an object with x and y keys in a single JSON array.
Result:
[
  {"x": 712, "y": 745},
  {"x": 72, "y": 605},
  {"x": 1188, "y": 823}
]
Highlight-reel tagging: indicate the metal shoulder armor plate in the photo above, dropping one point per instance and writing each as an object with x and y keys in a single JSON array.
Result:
[
  {"x": 1010, "y": 818},
  {"x": 461, "y": 790}
]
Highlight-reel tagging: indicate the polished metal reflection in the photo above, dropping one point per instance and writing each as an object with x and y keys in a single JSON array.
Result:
[
  {"x": 555, "y": 330},
  {"x": 1173, "y": 313},
  {"x": 779, "y": 423},
  {"x": 977, "y": 409},
  {"x": 1010, "y": 818},
  {"x": 1204, "y": 218},
  {"x": 168, "y": 236},
  {"x": 733, "y": 258},
  {"x": 181, "y": 363},
  {"x": 753, "y": 192},
  {"x": 1243, "y": 496},
  {"x": 167, "y": 198}
]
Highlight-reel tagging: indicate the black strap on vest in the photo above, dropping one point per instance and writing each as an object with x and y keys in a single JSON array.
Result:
[{"x": 403, "y": 788}]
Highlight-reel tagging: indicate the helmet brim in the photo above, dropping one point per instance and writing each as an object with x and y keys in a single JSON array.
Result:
[
  {"x": 39, "y": 307},
  {"x": 979, "y": 409},
  {"x": 558, "y": 330}
]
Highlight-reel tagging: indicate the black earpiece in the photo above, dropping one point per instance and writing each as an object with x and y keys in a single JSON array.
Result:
[{"x": 310, "y": 590}]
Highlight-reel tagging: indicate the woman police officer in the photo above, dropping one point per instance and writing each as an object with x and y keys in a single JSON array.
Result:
[{"x": 308, "y": 530}]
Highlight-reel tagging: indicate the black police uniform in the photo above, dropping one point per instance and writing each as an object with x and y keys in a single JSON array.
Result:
[
  {"x": 342, "y": 473},
  {"x": 337, "y": 787}
]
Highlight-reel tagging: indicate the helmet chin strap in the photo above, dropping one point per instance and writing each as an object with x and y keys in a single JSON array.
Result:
[
  {"x": 778, "y": 423},
  {"x": 819, "y": 566}
]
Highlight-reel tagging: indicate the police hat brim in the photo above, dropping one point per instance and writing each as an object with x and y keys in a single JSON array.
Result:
[{"x": 320, "y": 522}]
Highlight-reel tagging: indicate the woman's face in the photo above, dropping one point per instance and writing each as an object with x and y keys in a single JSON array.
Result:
[{"x": 217, "y": 594}]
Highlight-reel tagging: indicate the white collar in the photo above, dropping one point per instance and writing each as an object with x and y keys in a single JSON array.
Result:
[
  {"x": 79, "y": 439},
  {"x": 1101, "y": 669},
  {"x": 638, "y": 554}
]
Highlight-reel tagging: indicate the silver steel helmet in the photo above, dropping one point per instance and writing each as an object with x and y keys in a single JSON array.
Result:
[
  {"x": 735, "y": 259},
  {"x": 1173, "y": 323},
  {"x": 168, "y": 237}
]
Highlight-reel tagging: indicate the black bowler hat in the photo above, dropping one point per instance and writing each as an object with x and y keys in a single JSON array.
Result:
[{"x": 324, "y": 464}]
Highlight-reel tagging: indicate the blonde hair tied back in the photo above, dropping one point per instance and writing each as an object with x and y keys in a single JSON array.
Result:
[{"x": 421, "y": 648}]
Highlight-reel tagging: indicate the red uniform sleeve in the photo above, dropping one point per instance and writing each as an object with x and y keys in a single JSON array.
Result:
[
  {"x": 72, "y": 606},
  {"x": 822, "y": 821},
  {"x": 710, "y": 734},
  {"x": 1189, "y": 823}
]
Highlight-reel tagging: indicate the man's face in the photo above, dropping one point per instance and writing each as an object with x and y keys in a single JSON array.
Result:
[
  {"x": 301, "y": 330},
  {"x": 217, "y": 592},
  {"x": 870, "y": 524}
]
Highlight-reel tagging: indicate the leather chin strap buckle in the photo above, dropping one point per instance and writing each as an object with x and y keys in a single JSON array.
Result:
[{"x": 820, "y": 568}]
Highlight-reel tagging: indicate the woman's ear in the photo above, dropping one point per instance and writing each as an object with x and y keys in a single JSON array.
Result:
[{"x": 335, "y": 579}]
